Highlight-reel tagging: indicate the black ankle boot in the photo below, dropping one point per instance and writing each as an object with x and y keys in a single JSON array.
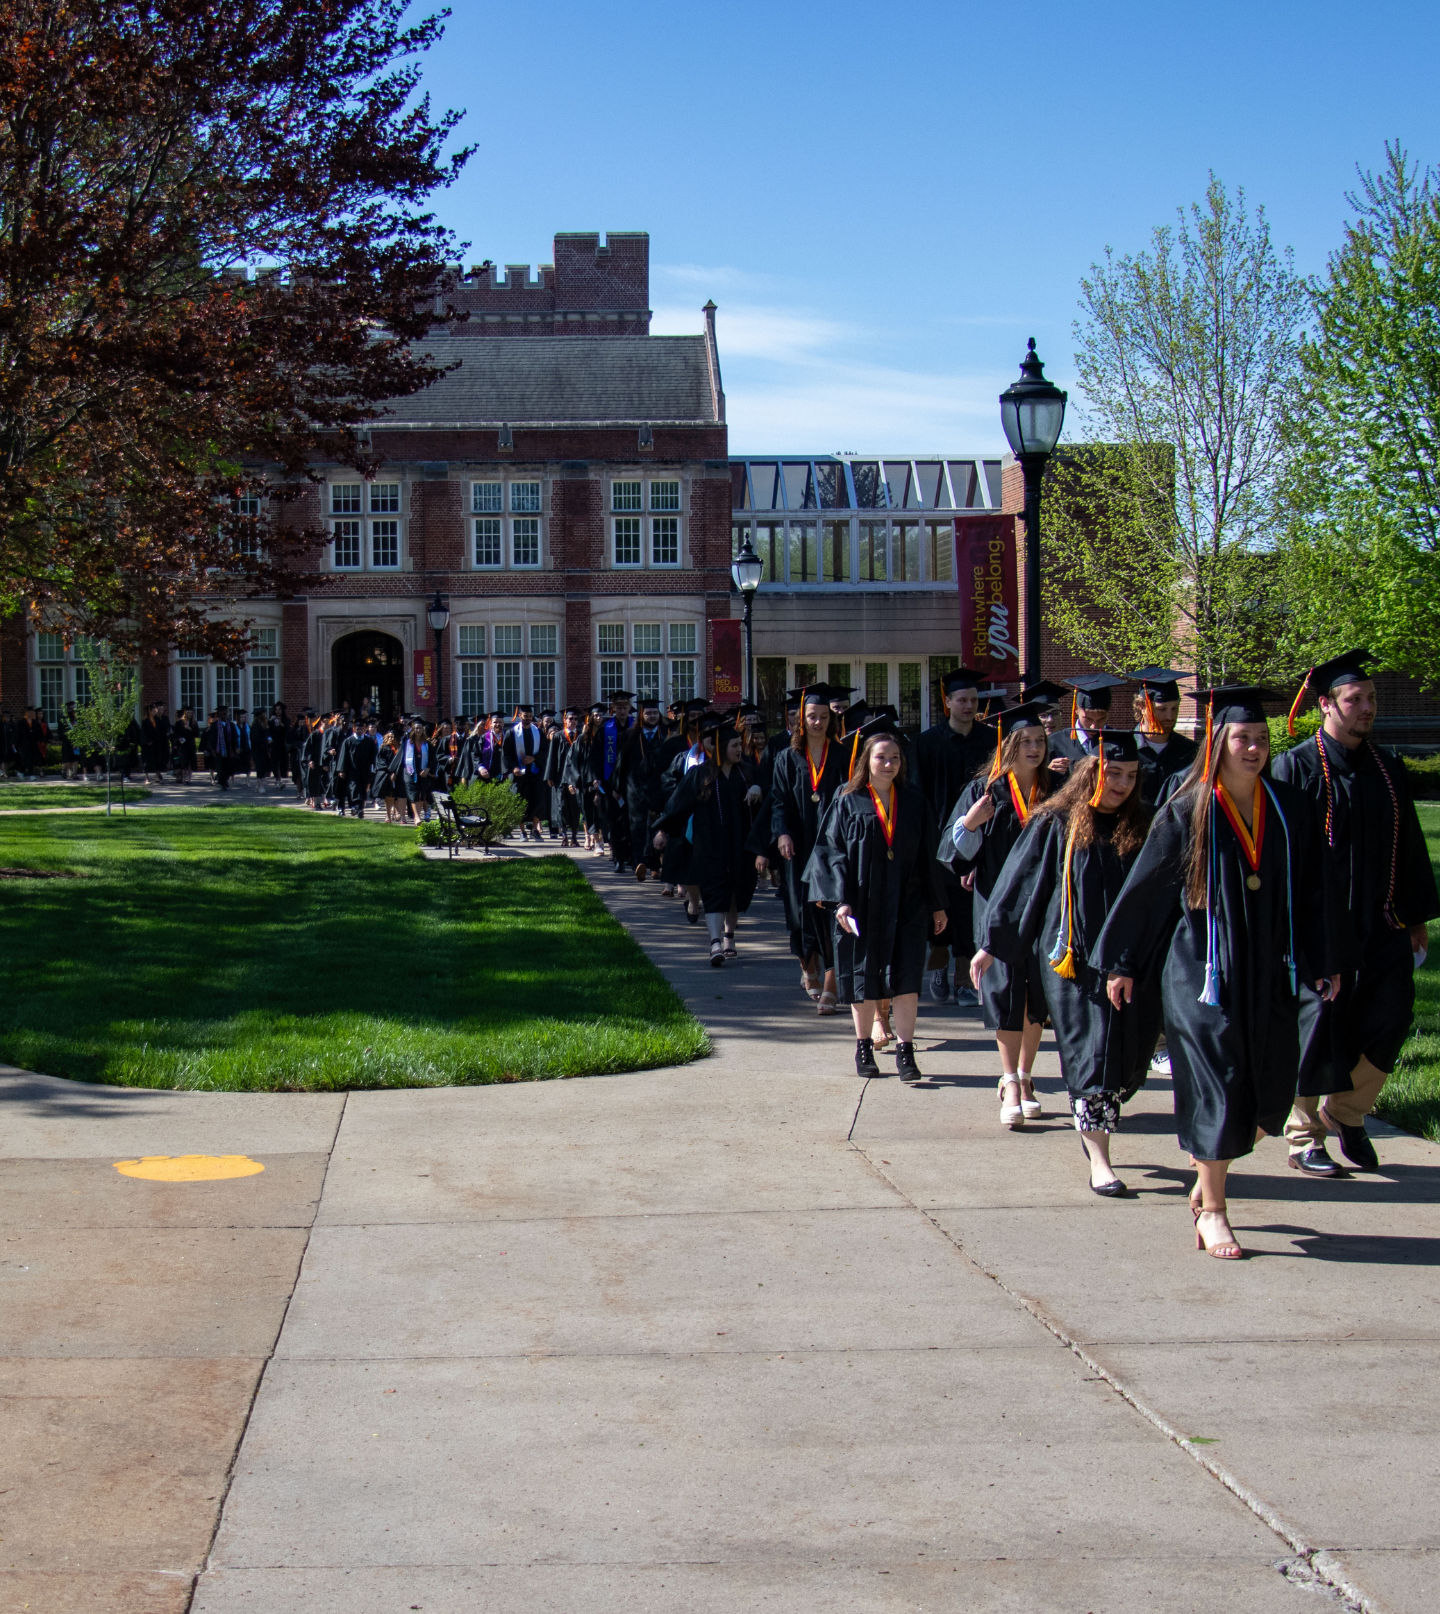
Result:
[
  {"x": 905, "y": 1067},
  {"x": 865, "y": 1057}
]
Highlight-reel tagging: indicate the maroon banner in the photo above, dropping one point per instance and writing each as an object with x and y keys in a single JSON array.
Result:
[
  {"x": 424, "y": 677},
  {"x": 989, "y": 595},
  {"x": 726, "y": 663}
]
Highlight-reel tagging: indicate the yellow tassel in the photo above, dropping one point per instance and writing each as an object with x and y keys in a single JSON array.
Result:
[{"x": 1065, "y": 967}]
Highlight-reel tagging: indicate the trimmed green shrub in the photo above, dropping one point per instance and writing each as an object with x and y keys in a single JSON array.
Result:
[
  {"x": 1306, "y": 724},
  {"x": 506, "y": 809}
]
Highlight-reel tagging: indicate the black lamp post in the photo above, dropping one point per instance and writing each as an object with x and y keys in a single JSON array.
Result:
[
  {"x": 746, "y": 569},
  {"x": 1032, "y": 411},
  {"x": 439, "y": 614}
]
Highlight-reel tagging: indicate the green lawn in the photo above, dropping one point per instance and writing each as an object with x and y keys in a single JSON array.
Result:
[
  {"x": 1412, "y": 1095},
  {"x": 22, "y": 797},
  {"x": 251, "y": 949}
]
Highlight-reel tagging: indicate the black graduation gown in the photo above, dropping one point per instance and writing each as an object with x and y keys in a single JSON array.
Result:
[
  {"x": 1377, "y": 998},
  {"x": 1005, "y": 989},
  {"x": 524, "y": 777},
  {"x": 790, "y": 811},
  {"x": 1157, "y": 768},
  {"x": 1234, "y": 1065},
  {"x": 564, "y": 808},
  {"x": 1100, "y": 1047},
  {"x": 944, "y": 763},
  {"x": 714, "y": 806},
  {"x": 892, "y": 898},
  {"x": 640, "y": 775}
]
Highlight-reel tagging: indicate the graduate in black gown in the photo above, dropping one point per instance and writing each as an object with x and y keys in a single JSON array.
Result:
[
  {"x": 806, "y": 775},
  {"x": 644, "y": 753},
  {"x": 1230, "y": 900},
  {"x": 947, "y": 756},
  {"x": 1057, "y": 889},
  {"x": 1376, "y": 848},
  {"x": 713, "y": 803},
  {"x": 989, "y": 818},
  {"x": 875, "y": 864},
  {"x": 1163, "y": 752}
]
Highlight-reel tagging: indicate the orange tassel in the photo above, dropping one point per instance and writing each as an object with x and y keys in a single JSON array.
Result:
[
  {"x": 1295, "y": 706},
  {"x": 1099, "y": 773},
  {"x": 1152, "y": 723},
  {"x": 1074, "y": 708},
  {"x": 1209, "y": 731}
]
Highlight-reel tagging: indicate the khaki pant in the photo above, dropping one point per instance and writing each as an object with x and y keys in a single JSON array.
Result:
[{"x": 1304, "y": 1129}]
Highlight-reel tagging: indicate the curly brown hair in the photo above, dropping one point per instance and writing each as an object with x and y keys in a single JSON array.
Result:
[{"x": 1072, "y": 803}]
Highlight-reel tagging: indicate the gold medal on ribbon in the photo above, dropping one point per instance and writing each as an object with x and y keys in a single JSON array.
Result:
[{"x": 1253, "y": 881}]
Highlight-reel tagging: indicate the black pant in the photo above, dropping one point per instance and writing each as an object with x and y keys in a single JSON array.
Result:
[
  {"x": 359, "y": 789},
  {"x": 224, "y": 770}
]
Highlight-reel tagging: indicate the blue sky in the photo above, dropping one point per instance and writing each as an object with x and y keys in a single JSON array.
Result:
[{"x": 886, "y": 201}]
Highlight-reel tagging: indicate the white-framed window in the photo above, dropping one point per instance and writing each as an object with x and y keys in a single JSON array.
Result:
[
  {"x": 665, "y": 540},
  {"x": 625, "y": 496},
  {"x": 472, "y": 639},
  {"x": 52, "y": 693},
  {"x": 384, "y": 498},
  {"x": 682, "y": 681},
  {"x": 264, "y": 691},
  {"x": 344, "y": 498},
  {"x": 647, "y": 680},
  {"x": 664, "y": 495},
  {"x": 385, "y": 545},
  {"x": 611, "y": 640},
  {"x": 682, "y": 638},
  {"x": 487, "y": 542},
  {"x": 612, "y": 677},
  {"x": 487, "y": 498},
  {"x": 347, "y": 546},
  {"x": 525, "y": 543},
  {"x": 508, "y": 637},
  {"x": 542, "y": 684},
  {"x": 524, "y": 498},
  {"x": 82, "y": 683},
  {"x": 192, "y": 689},
  {"x": 507, "y": 683},
  {"x": 627, "y": 540},
  {"x": 264, "y": 644},
  {"x": 227, "y": 688},
  {"x": 472, "y": 687},
  {"x": 645, "y": 636},
  {"x": 49, "y": 647},
  {"x": 544, "y": 639},
  {"x": 247, "y": 504}
]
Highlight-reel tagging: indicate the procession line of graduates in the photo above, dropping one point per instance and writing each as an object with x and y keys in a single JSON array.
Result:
[{"x": 1160, "y": 902}]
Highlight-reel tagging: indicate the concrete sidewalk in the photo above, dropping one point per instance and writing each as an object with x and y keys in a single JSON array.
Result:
[{"x": 743, "y": 1334}]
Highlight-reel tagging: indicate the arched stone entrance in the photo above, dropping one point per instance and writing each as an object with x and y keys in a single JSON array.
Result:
[{"x": 369, "y": 666}]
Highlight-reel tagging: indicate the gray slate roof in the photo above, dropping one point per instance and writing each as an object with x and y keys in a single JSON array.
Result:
[{"x": 561, "y": 380}]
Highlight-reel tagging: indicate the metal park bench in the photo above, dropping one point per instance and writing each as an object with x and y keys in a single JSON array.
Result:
[{"x": 457, "y": 827}]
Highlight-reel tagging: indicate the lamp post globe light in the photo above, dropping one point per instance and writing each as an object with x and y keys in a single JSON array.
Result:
[
  {"x": 1032, "y": 411},
  {"x": 745, "y": 569},
  {"x": 439, "y": 614}
]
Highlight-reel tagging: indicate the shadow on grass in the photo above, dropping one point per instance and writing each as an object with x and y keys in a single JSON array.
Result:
[{"x": 251, "y": 949}]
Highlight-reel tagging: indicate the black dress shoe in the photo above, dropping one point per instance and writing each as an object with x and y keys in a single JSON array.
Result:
[
  {"x": 1314, "y": 1162},
  {"x": 1110, "y": 1190},
  {"x": 1357, "y": 1148},
  {"x": 905, "y": 1067},
  {"x": 865, "y": 1057}
]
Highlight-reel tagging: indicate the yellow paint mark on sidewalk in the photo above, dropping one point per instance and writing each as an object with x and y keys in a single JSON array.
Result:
[{"x": 189, "y": 1167}]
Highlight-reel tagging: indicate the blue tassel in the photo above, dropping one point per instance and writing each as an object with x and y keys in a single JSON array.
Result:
[{"x": 1210, "y": 997}]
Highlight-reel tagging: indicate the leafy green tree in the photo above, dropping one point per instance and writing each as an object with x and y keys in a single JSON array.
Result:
[
  {"x": 102, "y": 721},
  {"x": 1362, "y": 551},
  {"x": 1157, "y": 533}
]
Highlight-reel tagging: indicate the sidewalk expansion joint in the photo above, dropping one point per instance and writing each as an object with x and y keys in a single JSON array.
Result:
[
  {"x": 269, "y": 1358},
  {"x": 1311, "y": 1566}
]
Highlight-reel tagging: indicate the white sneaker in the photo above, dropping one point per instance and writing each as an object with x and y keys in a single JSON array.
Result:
[{"x": 1160, "y": 1064}]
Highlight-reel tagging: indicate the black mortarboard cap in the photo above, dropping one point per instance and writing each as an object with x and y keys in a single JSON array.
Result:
[
  {"x": 1160, "y": 683},
  {"x": 881, "y": 723},
  {"x": 1024, "y": 716},
  {"x": 647, "y": 701},
  {"x": 793, "y": 697},
  {"x": 748, "y": 709},
  {"x": 991, "y": 701},
  {"x": 697, "y": 705},
  {"x": 838, "y": 692},
  {"x": 599, "y": 709},
  {"x": 711, "y": 723},
  {"x": 622, "y": 695},
  {"x": 853, "y": 716},
  {"x": 1046, "y": 693},
  {"x": 961, "y": 678},
  {"x": 1235, "y": 703},
  {"x": 820, "y": 694},
  {"x": 1094, "y": 690},
  {"x": 1120, "y": 745},
  {"x": 1346, "y": 669}
]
